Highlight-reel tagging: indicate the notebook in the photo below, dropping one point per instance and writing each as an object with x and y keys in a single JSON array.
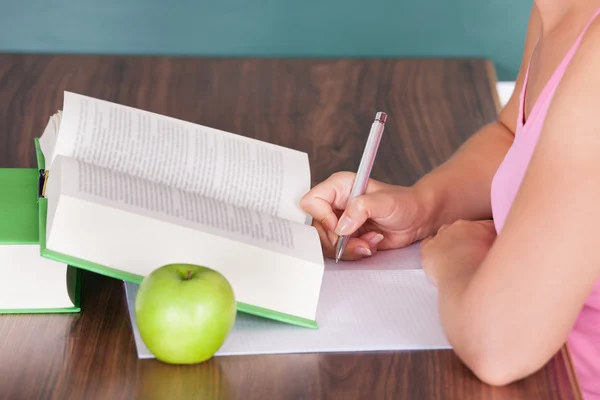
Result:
[{"x": 381, "y": 303}]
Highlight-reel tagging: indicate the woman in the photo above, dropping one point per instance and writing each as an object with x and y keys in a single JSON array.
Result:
[{"x": 511, "y": 291}]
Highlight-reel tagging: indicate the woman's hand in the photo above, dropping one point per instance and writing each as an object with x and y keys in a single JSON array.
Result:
[
  {"x": 385, "y": 217},
  {"x": 457, "y": 249}
]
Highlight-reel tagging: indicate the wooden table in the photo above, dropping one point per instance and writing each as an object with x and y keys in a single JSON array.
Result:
[{"x": 323, "y": 107}]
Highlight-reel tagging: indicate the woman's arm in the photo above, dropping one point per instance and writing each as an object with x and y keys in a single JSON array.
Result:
[
  {"x": 457, "y": 190},
  {"x": 510, "y": 314}
]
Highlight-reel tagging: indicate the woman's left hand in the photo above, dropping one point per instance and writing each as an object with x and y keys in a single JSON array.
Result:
[{"x": 457, "y": 249}]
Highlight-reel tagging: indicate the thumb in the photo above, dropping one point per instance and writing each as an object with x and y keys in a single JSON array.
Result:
[{"x": 361, "y": 208}]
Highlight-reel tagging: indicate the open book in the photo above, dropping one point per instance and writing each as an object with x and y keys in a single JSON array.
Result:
[{"x": 126, "y": 191}]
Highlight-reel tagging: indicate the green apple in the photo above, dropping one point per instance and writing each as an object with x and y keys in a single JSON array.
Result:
[{"x": 184, "y": 312}]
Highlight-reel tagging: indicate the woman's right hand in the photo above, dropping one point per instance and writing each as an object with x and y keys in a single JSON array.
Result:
[{"x": 385, "y": 217}]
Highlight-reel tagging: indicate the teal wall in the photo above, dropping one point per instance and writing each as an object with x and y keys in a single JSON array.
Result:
[{"x": 300, "y": 28}]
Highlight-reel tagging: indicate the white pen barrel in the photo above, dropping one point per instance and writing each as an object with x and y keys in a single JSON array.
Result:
[
  {"x": 364, "y": 169},
  {"x": 368, "y": 158}
]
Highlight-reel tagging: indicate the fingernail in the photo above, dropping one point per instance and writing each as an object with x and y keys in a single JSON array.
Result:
[
  {"x": 375, "y": 240},
  {"x": 344, "y": 226},
  {"x": 362, "y": 251},
  {"x": 332, "y": 237}
]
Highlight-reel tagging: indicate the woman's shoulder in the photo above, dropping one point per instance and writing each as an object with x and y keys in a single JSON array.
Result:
[
  {"x": 581, "y": 78},
  {"x": 587, "y": 47},
  {"x": 591, "y": 35}
]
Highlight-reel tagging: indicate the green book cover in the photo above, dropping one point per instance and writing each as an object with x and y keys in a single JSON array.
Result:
[
  {"x": 18, "y": 206},
  {"x": 128, "y": 277},
  {"x": 20, "y": 261}
]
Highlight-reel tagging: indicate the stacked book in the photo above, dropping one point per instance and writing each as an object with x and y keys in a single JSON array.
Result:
[{"x": 29, "y": 283}]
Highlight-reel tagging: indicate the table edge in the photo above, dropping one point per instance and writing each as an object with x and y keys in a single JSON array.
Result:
[{"x": 565, "y": 352}]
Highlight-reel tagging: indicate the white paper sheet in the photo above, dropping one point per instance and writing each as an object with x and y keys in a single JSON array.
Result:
[{"x": 382, "y": 303}]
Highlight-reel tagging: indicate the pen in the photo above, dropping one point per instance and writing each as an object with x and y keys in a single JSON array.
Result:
[{"x": 364, "y": 170}]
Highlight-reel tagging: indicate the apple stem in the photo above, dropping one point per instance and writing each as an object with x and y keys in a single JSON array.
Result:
[{"x": 189, "y": 275}]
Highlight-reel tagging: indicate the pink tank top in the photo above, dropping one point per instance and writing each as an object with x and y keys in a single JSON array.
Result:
[{"x": 584, "y": 338}]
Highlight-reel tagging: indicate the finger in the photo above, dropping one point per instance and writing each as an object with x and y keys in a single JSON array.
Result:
[
  {"x": 443, "y": 228},
  {"x": 326, "y": 197},
  {"x": 328, "y": 250},
  {"x": 426, "y": 240},
  {"x": 364, "y": 207},
  {"x": 487, "y": 222},
  {"x": 362, "y": 246},
  {"x": 373, "y": 239},
  {"x": 356, "y": 249},
  {"x": 424, "y": 254},
  {"x": 328, "y": 239}
]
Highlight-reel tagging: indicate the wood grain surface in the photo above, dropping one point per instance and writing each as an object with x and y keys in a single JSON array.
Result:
[{"x": 322, "y": 107}]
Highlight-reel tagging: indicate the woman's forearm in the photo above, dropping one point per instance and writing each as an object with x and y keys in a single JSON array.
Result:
[{"x": 460, "y": 188}]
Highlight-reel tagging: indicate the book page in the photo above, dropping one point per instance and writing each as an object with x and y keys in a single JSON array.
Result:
[
  {"x": 122, "y": 191},
  {"x": 226, "y": 167},
  {"x": 28, "y": 281},
  {"x": 49, "y": 137}
]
